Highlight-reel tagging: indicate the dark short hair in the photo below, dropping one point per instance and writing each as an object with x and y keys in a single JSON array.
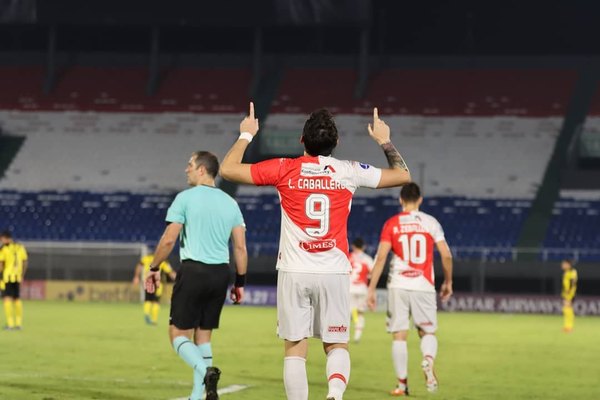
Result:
[
  {"x": 6, "y": 234},
  {"x": 320, "y": 135},
  {"x": 208, "y": 160},
  {"x": 358, "y": 242},
  {"x": 569, "y": 261},
  {"x": 410, "y": 192}
]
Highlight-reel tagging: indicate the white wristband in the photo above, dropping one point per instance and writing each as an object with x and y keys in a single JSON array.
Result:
[{"x": 246, "y": 136}]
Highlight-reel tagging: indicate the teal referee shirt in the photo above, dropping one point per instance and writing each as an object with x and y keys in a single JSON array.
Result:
[{"x": 208, "y": 215}]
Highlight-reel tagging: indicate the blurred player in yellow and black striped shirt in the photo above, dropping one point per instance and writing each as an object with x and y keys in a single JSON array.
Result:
[
  {"x": 569, "y": 289},
  {"x": 13, "y": 264},
  {"x": 151, "y": 300}
]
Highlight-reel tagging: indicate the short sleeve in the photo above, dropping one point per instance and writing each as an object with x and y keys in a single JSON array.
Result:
[
  {"x": 238, "y": 218},
  {"x": 365, "y": 175},
  {"x": 437, "y": 233},
  {"x": 266, "y": 173},
  {"x": 176, "y": 212},
  {"x": 386, "y": 232}
]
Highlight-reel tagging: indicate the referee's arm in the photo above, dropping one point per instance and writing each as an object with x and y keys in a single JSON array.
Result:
[
  {"x": 240, "y": 254},
  {"x": 163, "y": 249},
  {"x": 166, "y": 243}
]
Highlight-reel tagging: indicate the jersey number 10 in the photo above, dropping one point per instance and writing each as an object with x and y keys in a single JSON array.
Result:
[{"x": 414, "y": 248}]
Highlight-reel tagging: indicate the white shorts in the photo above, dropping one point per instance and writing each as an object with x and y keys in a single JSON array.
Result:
[
  {"x": 358, "y": 301},
  {"x": 402, "y": 304},
  {"x": 313, "y": 305}
]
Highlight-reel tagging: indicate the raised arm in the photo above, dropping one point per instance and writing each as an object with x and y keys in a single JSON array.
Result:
[
  {"x": 397, "y": 174},
  {"x": 382, "y": 253},
  {"x": 446, "y": 256},
  {"x": 232, "y": 167},
  {"x": 240, "y": 254}
]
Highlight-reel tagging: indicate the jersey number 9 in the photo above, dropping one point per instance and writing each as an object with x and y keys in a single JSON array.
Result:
[{"x": 317, "y": 208}]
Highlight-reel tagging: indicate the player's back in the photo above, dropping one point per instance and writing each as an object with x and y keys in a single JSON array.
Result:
[
  {"x": 362, "y": 264},
  {"x": 316, "y": 195},
  {"x": 412, "y": 236},
  {"x": 208, "y": 215}
]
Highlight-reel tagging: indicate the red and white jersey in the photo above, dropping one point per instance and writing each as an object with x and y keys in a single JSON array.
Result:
[
  {"x": 412, "y": 235},
  {"x": 362, "y": 265},
  {"x": 316, "y": 195}
]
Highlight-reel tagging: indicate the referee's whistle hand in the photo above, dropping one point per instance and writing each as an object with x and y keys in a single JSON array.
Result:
[
  {"x": 152, "y": 281},
  {"x": 237, "y": 294}
]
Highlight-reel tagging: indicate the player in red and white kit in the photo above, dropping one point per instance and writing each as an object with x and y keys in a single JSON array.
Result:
[
  {"x": 411, "y": 236},
  {"x": 315, "y": 191},
  {"x": 362, "y": 264}
]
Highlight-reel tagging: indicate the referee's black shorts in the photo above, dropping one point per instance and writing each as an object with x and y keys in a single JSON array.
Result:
[
  {"x": 12, "y": 289},
  {"x": 199, "y": 295}
]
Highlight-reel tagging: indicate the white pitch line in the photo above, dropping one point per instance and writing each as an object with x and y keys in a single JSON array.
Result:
[{"x": 225, "y": 390}]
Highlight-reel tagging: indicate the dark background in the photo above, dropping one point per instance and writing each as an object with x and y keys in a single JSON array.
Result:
[{"x": 329, "y": 26}]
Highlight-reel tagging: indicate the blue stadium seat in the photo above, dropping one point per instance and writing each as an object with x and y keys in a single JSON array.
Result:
[{"x": 468, "y": 223}]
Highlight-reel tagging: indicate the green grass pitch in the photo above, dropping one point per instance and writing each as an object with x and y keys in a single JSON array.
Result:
[{"x": 105, "y": 351}]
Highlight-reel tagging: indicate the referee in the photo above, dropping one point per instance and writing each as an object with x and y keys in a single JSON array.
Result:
[{"x": 204, "y": 218}]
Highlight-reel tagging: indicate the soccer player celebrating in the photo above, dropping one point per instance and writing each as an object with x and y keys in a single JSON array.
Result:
[
  {"x": 569, "y": 288},
  {"x": 205, "y": 218},
  {"x": 13, "y": 264},
  {"x": 151, "y": 300},
  {"x": 411, "y": 291},
  {"x": 313, "y": 285},
  {"x": 362, "y": 264}
]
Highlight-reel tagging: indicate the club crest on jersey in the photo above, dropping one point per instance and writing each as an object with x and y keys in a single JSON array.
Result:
[
  {"x": 317, "y": 246},
  {"x": 316, "y": 170}
]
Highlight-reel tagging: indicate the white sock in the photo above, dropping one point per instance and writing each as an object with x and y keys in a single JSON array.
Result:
[
  {"x": 338, "y": 372},
  {"x": 358, "y": 329},
  {"x": 429, "y": 346},
  {"x": 400, "y": 359},
  {"x": 294, "y": 378}
]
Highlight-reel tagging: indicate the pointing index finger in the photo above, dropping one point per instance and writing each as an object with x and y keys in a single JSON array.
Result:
[
  {"x": 375, "y": 114},
  {"x": 251, "y": 115}
]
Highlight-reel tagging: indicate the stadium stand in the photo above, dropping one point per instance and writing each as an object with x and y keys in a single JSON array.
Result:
[
  {"x": 503, "y": 124},
  {"x": 131, "y": 217},
  {"x": 480, "y": 92},
  {"x": 98, "y": 130},
  {"x": 122, "y": 89},
  {"x": 574, "y": 225},
  {"x": 52, "y": 215}
]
